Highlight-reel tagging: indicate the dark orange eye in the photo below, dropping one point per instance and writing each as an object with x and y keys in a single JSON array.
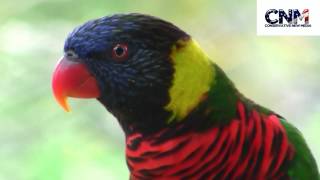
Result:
[{"x": 120, "y": 52}]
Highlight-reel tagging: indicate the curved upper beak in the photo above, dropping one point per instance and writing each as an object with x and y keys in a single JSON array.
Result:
[{"x": 72, "y": 79}]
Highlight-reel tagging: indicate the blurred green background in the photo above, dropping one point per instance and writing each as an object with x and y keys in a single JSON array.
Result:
[{"x": 39, "y": 141}]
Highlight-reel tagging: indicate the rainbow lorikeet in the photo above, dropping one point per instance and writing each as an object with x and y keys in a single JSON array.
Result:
[{"x": 181, "y": 115}]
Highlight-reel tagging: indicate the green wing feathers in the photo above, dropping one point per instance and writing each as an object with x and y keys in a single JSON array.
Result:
[{"x": 303, "y": 165}]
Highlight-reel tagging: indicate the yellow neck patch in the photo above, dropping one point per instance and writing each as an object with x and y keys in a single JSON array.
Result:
[{"x": 192, "y": 78}]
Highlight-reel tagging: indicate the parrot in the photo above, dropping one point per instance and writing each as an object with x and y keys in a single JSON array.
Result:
[{"x": 182, "y": 117}]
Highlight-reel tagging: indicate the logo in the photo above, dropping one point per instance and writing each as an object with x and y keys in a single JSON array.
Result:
[{"x": 289, "y": 18}]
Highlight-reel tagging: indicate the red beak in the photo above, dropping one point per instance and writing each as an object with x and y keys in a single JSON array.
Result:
[{"x": 72, "y": 79}]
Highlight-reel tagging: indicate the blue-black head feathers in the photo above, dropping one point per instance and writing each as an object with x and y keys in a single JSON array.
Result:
[
  {"x": 136, "y": 89},
  {"x": 147, "y": 31}
]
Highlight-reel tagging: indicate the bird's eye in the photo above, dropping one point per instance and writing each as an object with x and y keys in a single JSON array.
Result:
[{"x": 120, "y": 52}]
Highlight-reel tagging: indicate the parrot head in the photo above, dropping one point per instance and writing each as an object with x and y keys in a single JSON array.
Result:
[{"x": 126, "y": 62}]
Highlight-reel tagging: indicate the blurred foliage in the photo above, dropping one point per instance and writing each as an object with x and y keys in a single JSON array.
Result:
[{"x": 39, "y": 141}]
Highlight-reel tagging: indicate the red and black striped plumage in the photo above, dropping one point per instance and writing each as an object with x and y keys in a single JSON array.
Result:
[{"x": 251, "y": 146}]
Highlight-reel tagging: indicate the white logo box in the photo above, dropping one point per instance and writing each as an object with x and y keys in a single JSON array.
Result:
[{"x": 314, "y": 17}]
